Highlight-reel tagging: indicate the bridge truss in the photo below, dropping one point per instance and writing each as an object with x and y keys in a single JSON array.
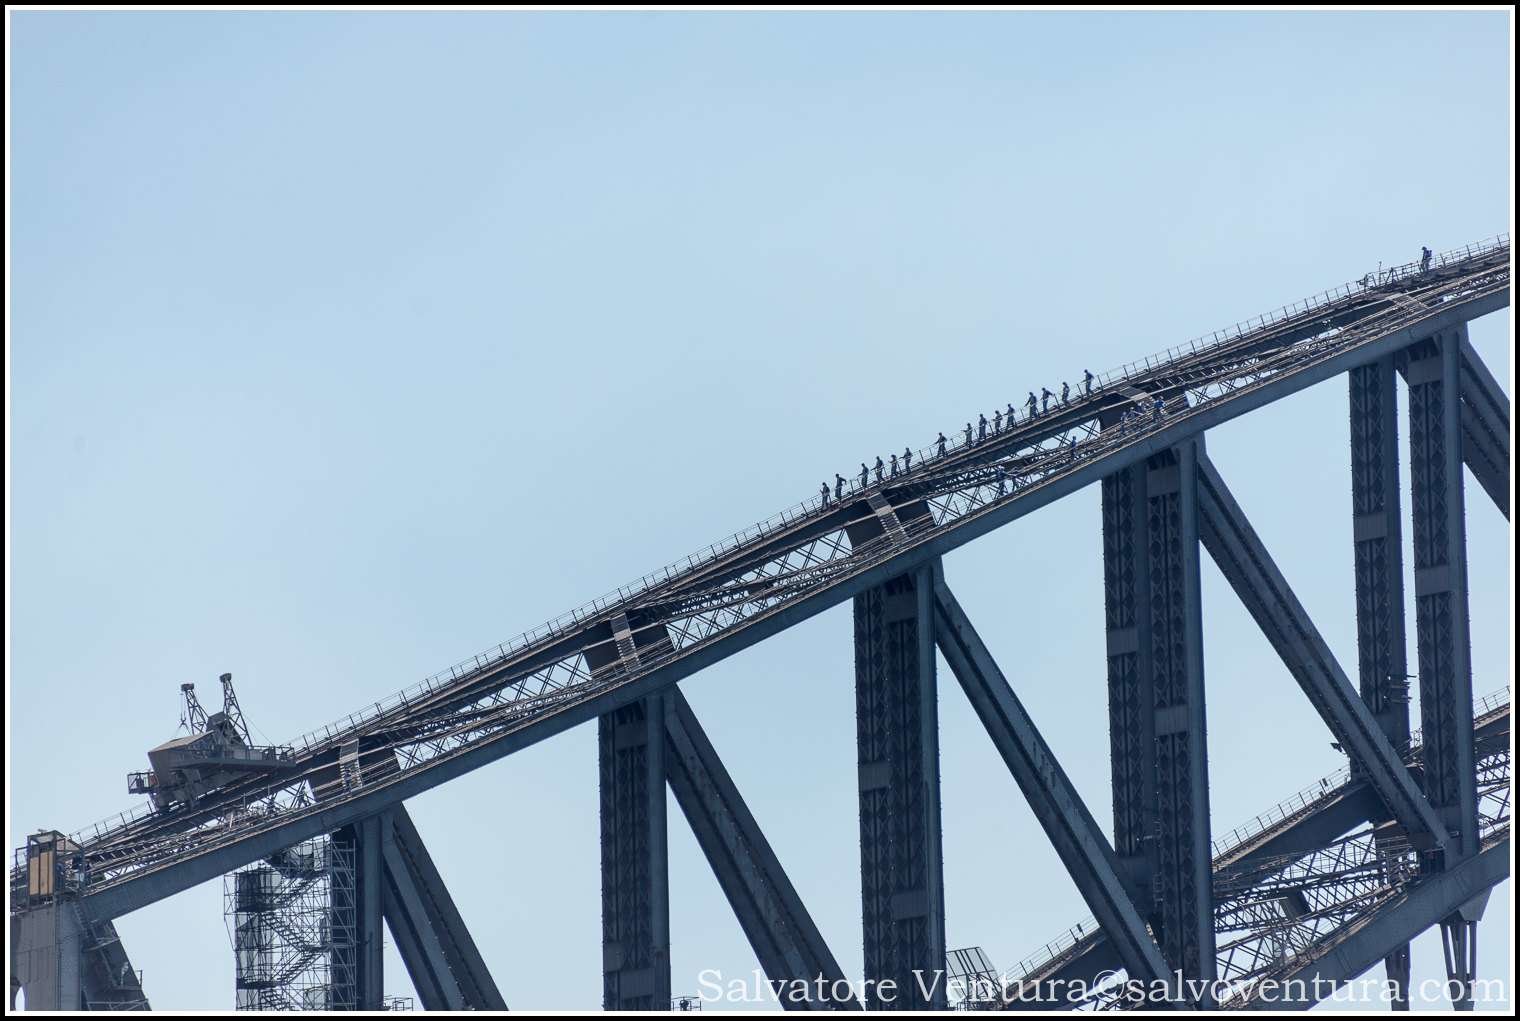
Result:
[{"x": 1155, "y": 887}]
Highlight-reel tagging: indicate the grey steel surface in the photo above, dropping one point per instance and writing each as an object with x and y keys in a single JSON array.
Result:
[{"x": 616, "y": 658}]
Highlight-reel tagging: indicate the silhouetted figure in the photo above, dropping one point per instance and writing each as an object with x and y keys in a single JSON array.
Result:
[
  {"x": 1011, "y": 415},
  {"x": 824, "y": 488},
  {"x": 968, "y": 434},
  {"x": 1045, "y": 396},
  {"x": 1065, "y": 393},
  {"x": 894, "y": 466},
  {"x": 838, "y": 486},
  {"x": 865, "y": 475},
  {"x": 880, "y": 469},
  {"x": 1087, "y": 378},
  {"x": 1159, "y": 408},
  {"x": 1002, "y": 480},
  {"x": 981, "y": 427},
  {"x": 997, "y": 421},
  {"x": 940, "y": 443},
  {"x": 1424, "y": 259},
  {"x": 908, "y": 458},
  {"x": 1032, "y": 404},
  {"x": 1072, "y": 448}
]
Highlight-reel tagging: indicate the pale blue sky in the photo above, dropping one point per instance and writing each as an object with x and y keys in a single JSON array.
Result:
[{"x": 346, "y": 346}]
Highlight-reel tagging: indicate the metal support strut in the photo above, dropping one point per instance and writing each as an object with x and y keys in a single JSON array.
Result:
[
  {"x": 897, "y": 733},
  {"x": 1056, "y": 804},
  {"x": 357, "y": 968},
  {"x": 1156, "y": 707},
  {"x": 635, "y": 871},
  {"x": 802, "y": 971},
  {"x": 441, "y": 958},
  {"x": 1433, "y": 371},
  {"x": 1382, "y": 666}
]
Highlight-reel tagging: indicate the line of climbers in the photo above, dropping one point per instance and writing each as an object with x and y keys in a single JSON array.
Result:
[{"x": 896, "y": 466}]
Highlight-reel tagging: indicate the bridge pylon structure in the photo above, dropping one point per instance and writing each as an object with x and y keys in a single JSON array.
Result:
[{"x": 1413, "y": 835}]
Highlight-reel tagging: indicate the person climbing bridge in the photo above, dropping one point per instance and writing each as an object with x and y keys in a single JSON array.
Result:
[
  {"x": 824, "y": 488},
  {"x": 997, "y": 421},
  {"x": 894, "y": 466},
  {"x": 1424, "y": 259},
  {"x": 838, "y": 486},
  {"x": 1087, "y": 380},
  {"x": 908, "y": 458},
  {"x": 1065, "y": 393},
  {"x": 1045, "y": 396},
  {"x": 1011, "y": 415},
  {"x": 981, "y": 428},
  {"x": 1032, "y": 404},
  {"x": 1002, "y": 480},
  {"x": 940, "y": 443},
  {"x": 968, "y": 434},
  {"x": 865, "y": 475},
  {"x": 880, "y": 469}
]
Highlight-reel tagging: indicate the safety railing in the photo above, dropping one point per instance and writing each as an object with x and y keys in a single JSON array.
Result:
[
  {"x": 786, "y": 518},
  {"x": 1061, "y": 945},
  {"x": 807, "y": 509}
]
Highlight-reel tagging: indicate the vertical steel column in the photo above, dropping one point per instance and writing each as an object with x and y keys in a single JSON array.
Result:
[
  {"x": 357, "y": 971},
  {"x": 1379, "y": 565},
  {"x": 1378, "y": 541},
  {"x": 635, "y": 871},
  {"x": 1440, "y": 582},
  {"x": 1441, "y": 616},
  {"x": 1156, "y": 703},
  {"x": 1132, "y": 743},
  {"x": 897, "y": 734}
]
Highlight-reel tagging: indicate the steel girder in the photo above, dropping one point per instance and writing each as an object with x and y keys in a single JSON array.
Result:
[
  {"x": 445, "y": 966},
  {"x": 1301, "y": 832},
  {"x": 357, "y": 969},
  {"x": 1246, "y": 564},
  {"x": 635, "y": 866},
  {"x": 1485, "y": 427},
  {"x": 799, "y": 964},
  {"x": 1361, "y": 945},
  {"x": 1059, "y": 808},
  {"x": 897, "y": 735},
  {"x": 1382, "y": 665},
  {"x": 1440, "y": 572},
  {"x": 137, "y": 864},
  {"x": 63, "y": 961},
  {"x": 1444, "y": 641},
  {"x": 1156, "y": 704}
]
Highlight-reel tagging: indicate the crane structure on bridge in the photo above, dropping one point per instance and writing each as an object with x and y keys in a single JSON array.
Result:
[{"x": 1414, "y": 835}]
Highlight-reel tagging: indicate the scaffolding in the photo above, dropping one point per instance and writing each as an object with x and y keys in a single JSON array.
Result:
[{"x": 287, "y": 936}]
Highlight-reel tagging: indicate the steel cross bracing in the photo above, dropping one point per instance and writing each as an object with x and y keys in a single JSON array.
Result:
[
  {"x": 1289, "y": 886},
  {"x": 772, "y": 577}
]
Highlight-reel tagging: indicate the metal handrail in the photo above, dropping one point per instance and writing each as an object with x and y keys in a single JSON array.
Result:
[
  {"x": 1284, "y": 809},
  {"x": 806, "y": 509}
]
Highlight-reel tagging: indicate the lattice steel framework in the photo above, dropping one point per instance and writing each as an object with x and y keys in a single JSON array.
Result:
[
  {"x": 897, "y": 739},
  {"x": 1440, "y": 567},
  {"x": 1287, "y": 911},
  {"x": 746, "y": 586},
  {"x": 1140, "y": 432},
  {"x": 286, "y": 939},
  {"x": 1158, "y": 743},
  {"x": 635, "y": 872}
]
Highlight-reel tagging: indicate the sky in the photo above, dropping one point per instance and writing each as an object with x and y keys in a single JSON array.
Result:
[{"x": 345, "y": 346}]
